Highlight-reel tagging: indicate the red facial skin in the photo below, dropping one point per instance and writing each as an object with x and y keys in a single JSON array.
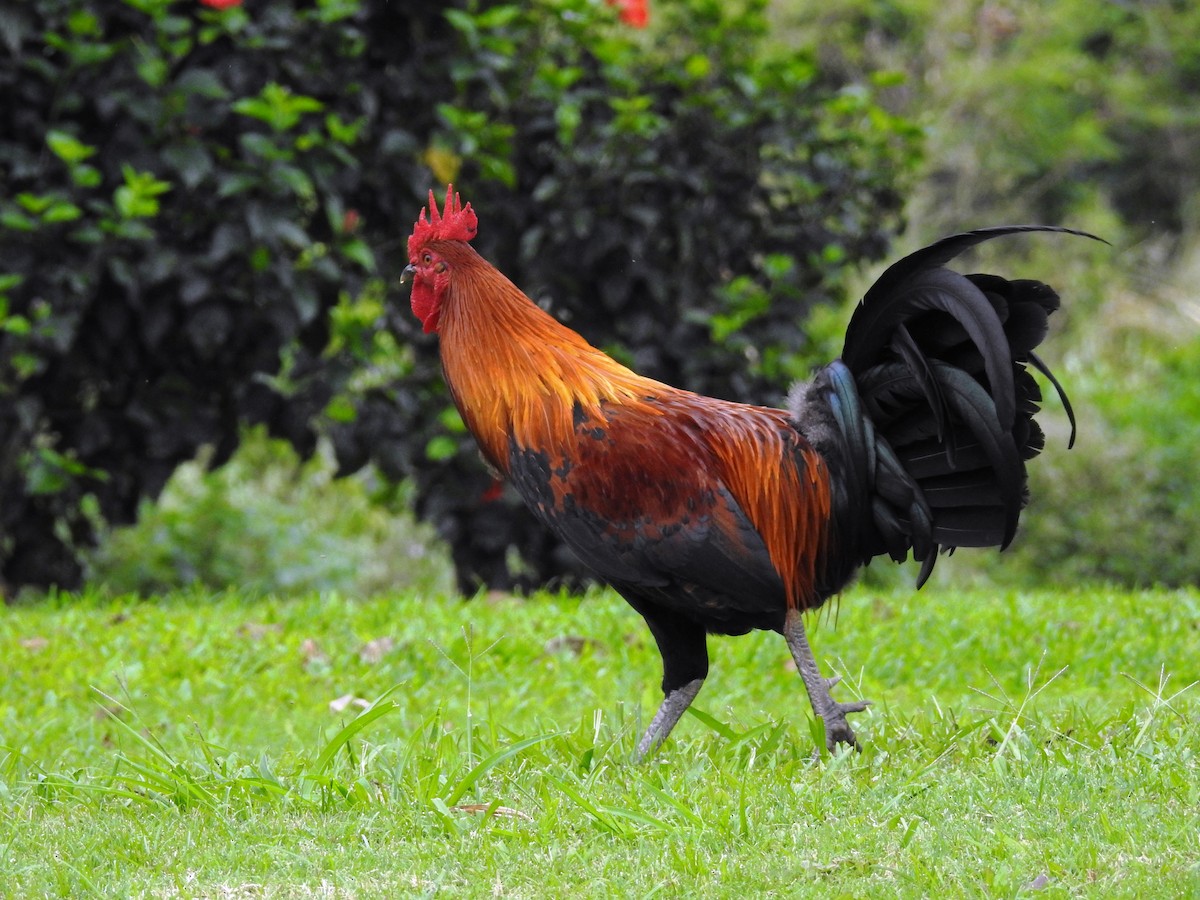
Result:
[{"x": 431, "y": 277}]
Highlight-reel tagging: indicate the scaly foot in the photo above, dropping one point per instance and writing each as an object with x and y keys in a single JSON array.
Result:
[
  {"x": 831, "y": 712},
  {"x": 837, "y": 729}
]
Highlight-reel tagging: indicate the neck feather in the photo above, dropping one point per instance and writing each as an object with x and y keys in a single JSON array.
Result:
[{"x": 518, "y": 374}]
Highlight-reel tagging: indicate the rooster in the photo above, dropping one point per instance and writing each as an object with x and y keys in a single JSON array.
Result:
[{"x": 710, "y": 516}]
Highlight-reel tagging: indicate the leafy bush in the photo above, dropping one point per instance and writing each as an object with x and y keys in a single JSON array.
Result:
[
  {"x": 1034, "y": 109},
  {"x": 206, "y": 207},
  {"x": 176, "y": 227},
  {"x": 271, "y": 523},
  {"x": 1125, "y": 506}
]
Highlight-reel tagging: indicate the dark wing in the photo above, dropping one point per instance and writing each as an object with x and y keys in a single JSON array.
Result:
[{"x": 640, "y": 501}]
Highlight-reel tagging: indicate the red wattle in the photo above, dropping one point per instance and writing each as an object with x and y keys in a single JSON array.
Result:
[{"x": 424, "y": 307}]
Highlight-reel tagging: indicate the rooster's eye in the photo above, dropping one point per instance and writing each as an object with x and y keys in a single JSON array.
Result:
[{"x": 427, "y": 258}]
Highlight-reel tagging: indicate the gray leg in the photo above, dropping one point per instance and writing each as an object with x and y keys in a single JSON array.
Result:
[
  {"x": 684, "y": 651},
  {"x": 837, "y": 729},
  {"x": 674, "y": 705}
]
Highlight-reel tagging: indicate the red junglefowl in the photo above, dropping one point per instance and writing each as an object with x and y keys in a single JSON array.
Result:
[{"x": 713, "y": 516}]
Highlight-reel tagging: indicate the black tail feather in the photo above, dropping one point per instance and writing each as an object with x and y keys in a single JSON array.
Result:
[
  {"x": 874, "y": 324},
  {"x": 941, "y": 252},
  {"x": 1036, "y": 362},
  {"x": 928, "y": 418}
]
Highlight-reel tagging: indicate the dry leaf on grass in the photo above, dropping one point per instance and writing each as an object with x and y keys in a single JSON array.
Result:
[
  {"x": 572, "y": 644},
  {"x": 372, "y": 652},
  {"x": 312, "y": 653},
  {"x": 344, "y": 702}
]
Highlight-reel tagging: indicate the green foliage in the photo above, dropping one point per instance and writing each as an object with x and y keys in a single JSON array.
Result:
[
  {"x": 272, "y": 523},
  {"x": 178, "y": 222},
  {"x": 208, "y": 207},
  {"x": 1036, "y": 108},
  {"x": 204, "y": 212},
  {"x": 1021, "y": 743},
  {"x": 1125, "y": 506}
]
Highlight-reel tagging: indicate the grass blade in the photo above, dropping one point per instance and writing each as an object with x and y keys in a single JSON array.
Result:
[
  {"x": 715, "y": 724},
  {"x": 468, "y": 780},
  {"x": 377, "y": 710}
]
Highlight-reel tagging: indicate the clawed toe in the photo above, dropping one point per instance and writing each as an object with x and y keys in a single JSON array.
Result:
[
  {"x": 837, "y": 729},
  {"x": 840, "y": 733}
]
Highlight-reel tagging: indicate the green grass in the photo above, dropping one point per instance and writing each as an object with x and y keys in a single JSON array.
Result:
[{"x": 1030, "y": 743}]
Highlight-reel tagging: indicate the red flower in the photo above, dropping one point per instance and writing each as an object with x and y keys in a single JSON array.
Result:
[
  {"x": 635, "y": 13},
  {"x": 350, "y": 221},
  {"x": 220, "y": 4}
]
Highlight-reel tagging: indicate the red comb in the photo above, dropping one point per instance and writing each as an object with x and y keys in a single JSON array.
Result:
[{"x": 454, "y": 223}]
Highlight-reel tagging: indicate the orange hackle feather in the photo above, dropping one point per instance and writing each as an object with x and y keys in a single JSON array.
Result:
[
  {"x": 783, "y": 486},
  {"x": 515, "y": 372}
]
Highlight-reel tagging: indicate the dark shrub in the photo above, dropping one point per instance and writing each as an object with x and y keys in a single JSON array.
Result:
[{"x": 204, "y": 206}]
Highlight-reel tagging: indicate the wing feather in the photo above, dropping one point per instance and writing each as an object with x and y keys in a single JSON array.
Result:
[{"x": 722, "y": 500}]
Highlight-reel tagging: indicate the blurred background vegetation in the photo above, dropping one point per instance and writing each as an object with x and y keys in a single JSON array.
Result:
[{"x": 203, "y": 208}]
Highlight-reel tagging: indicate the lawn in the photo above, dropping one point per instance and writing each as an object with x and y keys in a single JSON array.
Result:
[{"x": 1038, "y": 743}]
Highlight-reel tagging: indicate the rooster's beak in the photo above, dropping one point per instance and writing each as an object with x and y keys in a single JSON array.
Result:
[{"x": 407, "y": 274}]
